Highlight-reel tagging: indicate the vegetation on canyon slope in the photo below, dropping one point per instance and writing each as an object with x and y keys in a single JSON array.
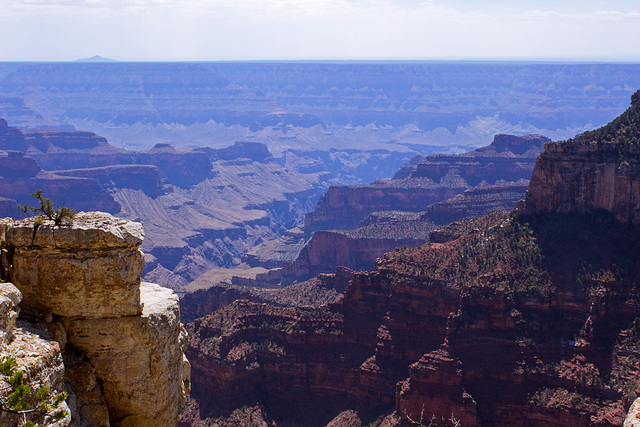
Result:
[{"x": 625, "y": 129}]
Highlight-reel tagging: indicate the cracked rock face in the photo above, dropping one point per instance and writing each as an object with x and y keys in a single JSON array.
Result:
[
  {"x": 10, "y": 297},
  {"x": 141, "y": 356},
  {"x": 90, "y": 269}
]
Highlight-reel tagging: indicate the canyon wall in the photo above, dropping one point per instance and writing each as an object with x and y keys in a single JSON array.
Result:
[
  {"x": 577, "y": 177},
  {"x": 426, "y": 180},
  {"x": 122, "y": 340},
  {"x": 427, "y": 190},
  {"x": 598, "y": 170},
  {"x": 478, "y": 327},
  {"x": 521, "y": 319}
]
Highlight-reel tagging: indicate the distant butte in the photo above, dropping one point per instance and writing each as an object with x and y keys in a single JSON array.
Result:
[{"x": 96, "y": 58}]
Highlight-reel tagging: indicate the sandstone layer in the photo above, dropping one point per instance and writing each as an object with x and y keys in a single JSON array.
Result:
[{"x": 122, "y": 340}]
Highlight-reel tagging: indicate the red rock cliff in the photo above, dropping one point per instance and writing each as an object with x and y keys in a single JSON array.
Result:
[{"x": 597, "y": 170}]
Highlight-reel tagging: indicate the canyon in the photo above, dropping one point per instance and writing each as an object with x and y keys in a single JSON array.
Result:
[
  {"x": 522, "y": 318},
  {"x": 202, "y": 208},
  {"x": 422, "y": 106},
  {"x": 352, "y": 226},
  {"x": 417, "y": 335}
]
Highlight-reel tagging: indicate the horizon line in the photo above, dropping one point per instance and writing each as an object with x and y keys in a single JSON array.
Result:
[{"x": 104, "y": 60}]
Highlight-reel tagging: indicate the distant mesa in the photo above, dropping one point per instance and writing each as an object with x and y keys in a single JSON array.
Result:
[{"x": 96, "y": 58}]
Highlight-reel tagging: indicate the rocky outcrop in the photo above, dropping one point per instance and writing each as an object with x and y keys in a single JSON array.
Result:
[
  {"x": 22, "y": 176},
  {"x": 183, "y": 168},
  {"x": 576, "y": 177},
  {"x": 83, "y": 280},
  {"x": 15, "y": 165},
  {"x": 242, "y": 149},
  {"x": 355, "y": 249},
  {"x": 321, "y": 290},
  {"x": 147, "y": 178},
  {"x": 343, "y": 207},
  {"x": 598, "y": 170},
  {"x": 508, "y": 158},
  {"x": 9, "y": 208}
]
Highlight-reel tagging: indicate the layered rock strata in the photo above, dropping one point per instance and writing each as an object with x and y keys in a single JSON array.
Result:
[
  {"x": 481, "y": 327},
  {"x": 522, "y": 319},
  {"x": 83, "y": 280},
  {"x": 428, "y": 179},
  {"x": 598, "y": 170},
  {"x": 446, "y": 187},
  {"x": 582, "y": 177}
]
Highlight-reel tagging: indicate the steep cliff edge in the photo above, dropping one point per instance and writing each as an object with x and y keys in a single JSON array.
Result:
[
  {"x": 598, "y": 170},
  {"x": 122, "y": 340}
]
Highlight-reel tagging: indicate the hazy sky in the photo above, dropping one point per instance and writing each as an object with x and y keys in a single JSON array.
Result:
[{"x": 319, "y": 29}]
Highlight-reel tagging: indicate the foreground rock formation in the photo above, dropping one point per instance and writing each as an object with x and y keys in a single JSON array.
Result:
[
  {"x": 122, "y": 340},
  {"x": 522, "y": 319}
]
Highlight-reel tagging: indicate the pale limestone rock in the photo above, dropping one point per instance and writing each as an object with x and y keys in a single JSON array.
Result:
[
  {"x": 90, "y": 269},
  {"x": 633, "y": 416},
  {"x": 10, "y": 297},
  {"x": 90, "y": 403},
  {"x": 89, "y": 230},
  {"x": 124, "y": 341},
  {"x": 139, "y": 359}
]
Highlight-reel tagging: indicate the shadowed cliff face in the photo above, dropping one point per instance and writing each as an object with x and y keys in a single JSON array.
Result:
[{"x": 514, "y": 322}]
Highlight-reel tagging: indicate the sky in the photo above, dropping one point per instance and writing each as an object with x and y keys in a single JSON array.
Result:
[{"x": 212, "y": 30}]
